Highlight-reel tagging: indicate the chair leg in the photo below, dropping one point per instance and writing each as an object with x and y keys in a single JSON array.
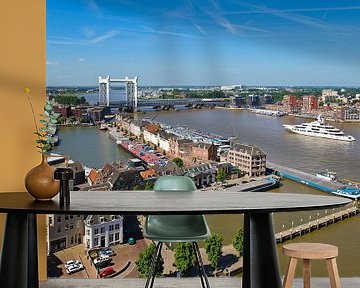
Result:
[
  {"x": 333, "y": 273},
  {"x": 306, "y": 273},
  {"x": 152, "y": 272},
  {"x": 201, "y": 265},
  {"x": 289, "y": 276},
  {"x": 198, "y": 266}
]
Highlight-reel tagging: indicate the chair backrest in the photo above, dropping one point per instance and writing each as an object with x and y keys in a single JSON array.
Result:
[
  {"x": 174, "y": 183},
  {"x": 163, "y": 225}
]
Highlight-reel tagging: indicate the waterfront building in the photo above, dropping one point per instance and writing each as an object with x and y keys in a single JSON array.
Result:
[
  {"x": 238, "y": 101},
  {"x": 348, "y": 114},
  {"x": 253, "y": 100},
  {"x": 328, "y": 96},
  {"x": 309, "y": 103},
  {"x": 150, "y": 133},
  {"x": 103, "y": 230},
  {"x": 64, "y": 111},
  {"x": 204, "y": 152},
  {"x": 250, "y": 159},
  {"x": 202, "y": 175},
  {"x": 291, "y": 104},
  {"x": 136, "y": 127},
  {"x": 178, "y": 145},
  {"x": 265, "y": 99},
  {"x": 64, "y": 231},
  {"x": 164, "y": 140}
]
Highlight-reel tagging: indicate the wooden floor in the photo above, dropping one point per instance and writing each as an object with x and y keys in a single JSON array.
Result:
[{"x": 179, "y": 282}]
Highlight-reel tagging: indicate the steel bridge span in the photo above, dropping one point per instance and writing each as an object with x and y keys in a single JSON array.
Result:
[{"x": 172, "y": 102}]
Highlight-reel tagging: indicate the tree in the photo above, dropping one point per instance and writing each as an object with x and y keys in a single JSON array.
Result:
[
  {"x": 184, "y": 258},
  {"x": 213, "y": 246},
  {"x": 72, "y": 119},
  {"x": 221, "y": 175},
  {"x": 238, "y": 241},
  {"x": 145, "y": 259},
  {"x": 178, "y": 161},
  {"x": 149, "y": 185}
]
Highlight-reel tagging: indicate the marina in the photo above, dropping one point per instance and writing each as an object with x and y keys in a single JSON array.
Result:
[{"x": 268, "y": 112}]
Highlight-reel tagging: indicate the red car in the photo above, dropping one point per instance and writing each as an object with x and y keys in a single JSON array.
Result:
[{"x": 106, "y": 272}]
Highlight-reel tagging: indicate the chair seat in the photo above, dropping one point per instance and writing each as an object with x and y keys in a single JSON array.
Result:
[
  {"x": 310, "y": 250},
  {"x": 177, "y": 228}
]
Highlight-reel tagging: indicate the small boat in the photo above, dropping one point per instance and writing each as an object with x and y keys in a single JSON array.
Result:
[
  {"x": 327, "y": 175},
  {"x": 103, "y": 127}
]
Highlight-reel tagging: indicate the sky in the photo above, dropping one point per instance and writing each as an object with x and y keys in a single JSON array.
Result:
[{"x": 188, "y": 42}]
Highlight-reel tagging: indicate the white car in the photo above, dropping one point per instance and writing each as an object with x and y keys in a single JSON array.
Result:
[
  {"x": 102, "y": 258},
  {"x": 72, "y": 266}
]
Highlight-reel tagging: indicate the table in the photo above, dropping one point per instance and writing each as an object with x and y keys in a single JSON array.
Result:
[{"x": 19, "y": 265}]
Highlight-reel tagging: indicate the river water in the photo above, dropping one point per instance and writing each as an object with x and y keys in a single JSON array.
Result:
[{"x": 94, "y": 148}]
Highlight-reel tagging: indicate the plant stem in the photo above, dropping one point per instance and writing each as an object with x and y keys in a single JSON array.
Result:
[{"x": 36, "y": 127}]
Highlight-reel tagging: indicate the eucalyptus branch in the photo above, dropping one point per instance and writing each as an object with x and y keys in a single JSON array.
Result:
[{"x": 27, "y": 90}]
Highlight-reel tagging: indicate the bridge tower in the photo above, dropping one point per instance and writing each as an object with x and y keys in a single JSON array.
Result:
[
  {"x": 104, "y": 91},
  {"x": 131, "y": 91}
]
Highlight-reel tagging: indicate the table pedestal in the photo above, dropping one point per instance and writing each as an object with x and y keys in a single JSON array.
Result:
[
  {"x": 19, "y": 262},
  {"x": 261, "y": 266}
]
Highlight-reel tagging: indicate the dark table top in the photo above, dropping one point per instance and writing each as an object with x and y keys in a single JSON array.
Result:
[{"x": 150, "y": 202}]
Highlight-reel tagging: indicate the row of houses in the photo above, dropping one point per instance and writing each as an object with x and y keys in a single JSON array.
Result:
[{"x": 169, "y": 143}]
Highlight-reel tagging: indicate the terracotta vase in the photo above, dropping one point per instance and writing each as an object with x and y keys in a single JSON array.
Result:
[{"x": 40, "y": 183}]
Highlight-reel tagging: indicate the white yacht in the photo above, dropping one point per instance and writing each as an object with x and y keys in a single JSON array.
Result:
[{"x": 318, "y": 128}]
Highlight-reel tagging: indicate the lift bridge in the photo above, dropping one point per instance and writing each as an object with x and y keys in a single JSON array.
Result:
[
  {"x": 131, "y": 91},
  {"x": 132, "y": 102}
]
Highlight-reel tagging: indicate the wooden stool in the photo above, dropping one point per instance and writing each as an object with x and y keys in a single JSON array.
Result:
[{"x": 307, "y": 251}]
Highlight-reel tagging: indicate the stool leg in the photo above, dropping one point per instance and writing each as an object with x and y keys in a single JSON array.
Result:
[
  {"x": 333, "y": 273},
  {"x": 289, "y": 276},
  {"x": 306, "y": 273}
]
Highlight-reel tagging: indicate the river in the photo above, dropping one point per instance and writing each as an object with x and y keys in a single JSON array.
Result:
[{"x": 94, "y": 148}]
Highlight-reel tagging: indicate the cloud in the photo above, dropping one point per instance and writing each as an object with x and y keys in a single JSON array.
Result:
[
  {"x": 81, "y": 60},
  {"x": 105, "y": 36},
  {"x": 51, "y": 63},
  {"x": 93, "y": 40},
  {"x": 92, "y": 5},
  {"x": 88, "y": 32},
  {"x": 163, "y": 32}
]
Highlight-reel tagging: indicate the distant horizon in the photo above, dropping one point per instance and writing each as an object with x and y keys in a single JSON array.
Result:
[
  {"x": 168, "y": 43},
  {"x": 204, "y": 86}
]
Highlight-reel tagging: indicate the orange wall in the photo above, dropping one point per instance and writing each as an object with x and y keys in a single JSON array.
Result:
[{"x": 22, "y": 64}]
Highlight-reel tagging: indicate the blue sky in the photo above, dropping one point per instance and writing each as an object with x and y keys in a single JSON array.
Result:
[{"x": 304, "y": 42}]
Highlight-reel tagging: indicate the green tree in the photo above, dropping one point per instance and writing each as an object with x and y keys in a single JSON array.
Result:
[
  {"x": 61, "y": 120},
  {"x": 221, "y": 175},
  {"x": 213, "y": 246},
  {"x": 72, "y": 119},
  {"x": 144, "y": 262},
  {"x": 184, "y": 258},
  {"x": 178, "y": 161},
  {"x": 238, "y": 241},
  {"x": 149, "y": 185}
]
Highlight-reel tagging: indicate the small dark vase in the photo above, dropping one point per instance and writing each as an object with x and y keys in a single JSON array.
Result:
[{"x": 40, "y": 182}]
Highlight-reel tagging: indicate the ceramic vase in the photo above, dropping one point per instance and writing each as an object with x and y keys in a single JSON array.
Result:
[{"x": 40, "y": 182}]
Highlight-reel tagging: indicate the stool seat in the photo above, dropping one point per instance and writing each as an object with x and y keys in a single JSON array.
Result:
[
  {"x": 310, "y": 250},
  {"x": 306, "y": 252}
]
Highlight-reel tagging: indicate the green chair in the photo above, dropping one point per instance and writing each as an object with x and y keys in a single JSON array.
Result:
[{"x": 176, "y": 228}]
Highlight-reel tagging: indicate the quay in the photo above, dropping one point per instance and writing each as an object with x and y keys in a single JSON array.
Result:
[
  {"x": 316, "y": 224},
  {"x": 304, "y": 178},
  {"x": 258, "y": 185}
]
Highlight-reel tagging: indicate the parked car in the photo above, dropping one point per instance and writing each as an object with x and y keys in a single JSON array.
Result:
[
  {"x": 106, "y": 272},
  {"x": 102, "y": 261},
  {"x": 72, "y": 263},
  {"x": 107, "y": 251},
  {"x": 73, "y": 266}
]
